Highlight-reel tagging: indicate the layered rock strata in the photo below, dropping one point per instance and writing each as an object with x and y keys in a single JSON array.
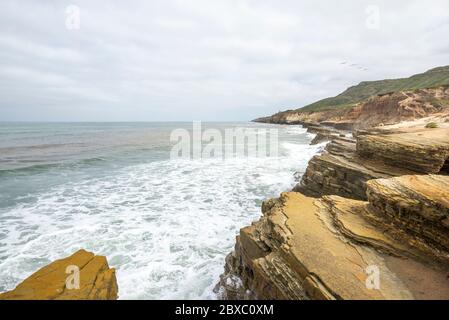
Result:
[
  {"x": 341, "y": 171},
  {"x": 417, "y": 204},
  {"x": 81, "y": 276},
  {"x": 325, "y": 133},
  {"x": 331, "y": 248},
  {"x": 346, "y": 165},
  {"x": 369, "y": 220},
  {"x": 423, "y": 151},
  {"x": 378, "y": 110}
]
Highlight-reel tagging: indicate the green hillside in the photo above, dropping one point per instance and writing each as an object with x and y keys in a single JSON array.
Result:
[{"x": 432, "y": 78}]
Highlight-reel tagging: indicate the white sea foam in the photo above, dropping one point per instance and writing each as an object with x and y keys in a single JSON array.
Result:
[
  {"x": 166, "y": 226},
  {"x": 296, "y": 130}
]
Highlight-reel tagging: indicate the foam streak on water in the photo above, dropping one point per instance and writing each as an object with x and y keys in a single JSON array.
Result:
[{"x": 165, "y": 225}]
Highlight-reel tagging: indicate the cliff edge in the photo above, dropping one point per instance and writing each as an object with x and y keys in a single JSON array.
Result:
[
  {"x": 385, "y": 109},
  {"x": 337, "y": 248},
  {"x": 369, "y": 220}
]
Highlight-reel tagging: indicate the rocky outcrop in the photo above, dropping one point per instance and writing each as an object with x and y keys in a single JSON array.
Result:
[
  {"x": 324, "y": 133},
  {"x": 341, "y": 171},
  {"x": 418, "y": 205},
  {"x": 424, "y": 151},
  {"x": 330, "y": 248},
  {"x": 380, "y": 152},
  {"x": 347, "y": 164},
  {"x": 368, "y": 220},
  {"x": 59, "y": 280}
]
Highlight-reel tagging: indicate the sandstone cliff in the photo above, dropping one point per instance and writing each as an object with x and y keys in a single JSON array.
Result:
[
  {"x": 423, "y": 150},
  {"x": 96, "y": 280},
  {"x": 367, "y": 208},
  {"x": 378, "y": 110},
  {"x": 419, "y": 205},
  {"x": 347, "y": 164},
  {"x": 329, "y": 248}
]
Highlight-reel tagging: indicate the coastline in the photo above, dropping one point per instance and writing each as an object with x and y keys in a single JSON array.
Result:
[
  {"x": 151, "y": 217},
  {"x": 344, "y": 194},
  {"x": 350, "y": 206}
]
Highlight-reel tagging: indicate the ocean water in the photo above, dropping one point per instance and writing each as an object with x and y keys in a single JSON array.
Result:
[{"x": 165, "y": 224}]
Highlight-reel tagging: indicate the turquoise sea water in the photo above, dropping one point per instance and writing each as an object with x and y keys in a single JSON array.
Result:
[{"x": 165, "y": 224}]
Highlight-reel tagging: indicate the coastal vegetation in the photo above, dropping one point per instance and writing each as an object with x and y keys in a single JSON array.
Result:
[{"x": 432, "y": 78}]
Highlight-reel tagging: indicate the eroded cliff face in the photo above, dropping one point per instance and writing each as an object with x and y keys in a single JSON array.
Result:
[
  {"x": 340, "y": 170},
  {"x": 326, "y": 248},
  {"x": 370, "y": 204},
  {"x": 96, "y": 280},
  {"x": 379, "y": 110},
  {"x": 418, "y": 205},
  {"x": 383, "y": 152},
  {"x": 423, "y": 150}
]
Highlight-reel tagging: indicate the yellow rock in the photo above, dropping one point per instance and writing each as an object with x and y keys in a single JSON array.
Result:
[
  {"x": 418, "y": 204},
  {"x": 59, "y": 280},
  {"x": 327, "y": 248},
  {"x": 421, "y": 150}
]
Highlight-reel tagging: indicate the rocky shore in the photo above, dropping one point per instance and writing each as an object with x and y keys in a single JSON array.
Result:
[{"x": 368, "y": 220}]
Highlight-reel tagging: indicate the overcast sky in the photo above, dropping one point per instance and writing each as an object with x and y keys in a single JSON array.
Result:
[{"x": 204, "y": 59}]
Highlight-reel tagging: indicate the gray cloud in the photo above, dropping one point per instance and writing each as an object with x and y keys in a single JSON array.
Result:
[{"x": 208, "y": 60}]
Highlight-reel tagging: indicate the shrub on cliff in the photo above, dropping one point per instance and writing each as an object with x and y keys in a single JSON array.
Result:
[{"x": 431, "y": 125}]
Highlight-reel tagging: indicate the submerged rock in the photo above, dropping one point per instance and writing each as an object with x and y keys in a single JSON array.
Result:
[{"x": 82, "y": 276}]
